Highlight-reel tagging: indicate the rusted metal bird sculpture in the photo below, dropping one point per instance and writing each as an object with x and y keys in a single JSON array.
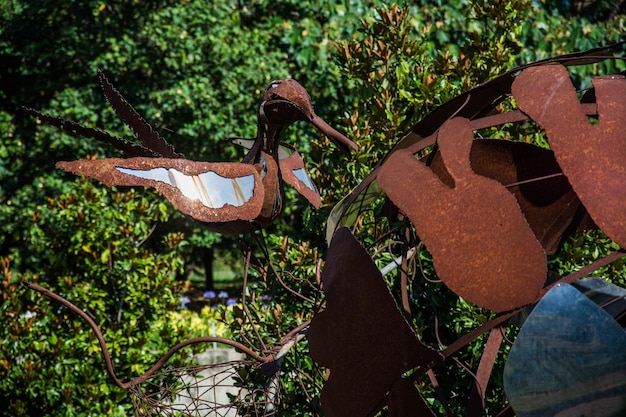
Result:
[{"x": 227, "y": 197}]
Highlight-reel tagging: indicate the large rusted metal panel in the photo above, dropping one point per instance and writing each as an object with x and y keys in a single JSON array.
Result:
[
  {"x": 361, "y": 336},
  {"x": 482, "y": 246},
  {"x": 592, "y": 155}
]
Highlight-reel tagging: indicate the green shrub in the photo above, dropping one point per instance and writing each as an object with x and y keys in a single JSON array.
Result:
[{"x": 106, "y": 262}]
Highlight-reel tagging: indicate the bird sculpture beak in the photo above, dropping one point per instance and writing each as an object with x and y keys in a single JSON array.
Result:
[{"x": 342, "y": 142}]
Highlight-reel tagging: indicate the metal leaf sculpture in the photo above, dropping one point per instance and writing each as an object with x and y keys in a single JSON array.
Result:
[
  {"x": 372, "y": 343},
  {"x": 227, "y": 197},
  {"x": 151, "y": 145},
  {"x": 480, "y": 105},
  {"x": 569, "y": 359},
  {"x": 508, "y": 268},
  {"x": 525, "y": 213},
  {"x": 592, "y": 156}
]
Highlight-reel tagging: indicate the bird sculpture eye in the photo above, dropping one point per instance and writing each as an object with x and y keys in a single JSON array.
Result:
[{"x": 279, "y": 113}]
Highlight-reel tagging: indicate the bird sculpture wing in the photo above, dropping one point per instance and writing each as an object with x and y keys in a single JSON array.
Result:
[{"x": 207, "y": 192}]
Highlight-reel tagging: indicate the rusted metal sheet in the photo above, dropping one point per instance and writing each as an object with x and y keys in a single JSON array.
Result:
[
  {"x": 361, "y": 336},
  {"x": 592, "y": 156},
  {"x": 534, "y": 177},
  {"x": 482, "y": 246},
  {"x": 479, "y": 104}
]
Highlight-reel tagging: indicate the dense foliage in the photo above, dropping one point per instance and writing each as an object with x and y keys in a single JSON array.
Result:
[{"x": 196, "y": 71}]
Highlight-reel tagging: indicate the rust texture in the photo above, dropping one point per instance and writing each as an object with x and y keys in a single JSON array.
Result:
[
  {"x": 534, "y": 177},
  {"x": 361, "y": 335},
  {"x": 592, "y": 156},
  {"x": 273, "y": 201},
  {"x": 105, "y": 170},
  {"x": 482, "y": 246}
]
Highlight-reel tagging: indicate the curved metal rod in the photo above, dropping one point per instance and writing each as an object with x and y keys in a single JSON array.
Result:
[
  {"x": 94, "y": 327},
  {"x": 204, "y": 339},
  {"x": 513, "y": 116},
  {"x": 290, "y": 339},
  {"x": 107, "y": 356},
  {"x": 504, "y": 317},
  {"x": 287, "y": 287},
  {"x": 568, "y": 279}
]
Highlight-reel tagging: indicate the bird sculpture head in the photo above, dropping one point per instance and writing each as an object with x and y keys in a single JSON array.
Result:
[{"x": 283, "y": 103}]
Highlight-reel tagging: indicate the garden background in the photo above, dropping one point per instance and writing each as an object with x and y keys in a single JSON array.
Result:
[{"x": 196, "y": 71}]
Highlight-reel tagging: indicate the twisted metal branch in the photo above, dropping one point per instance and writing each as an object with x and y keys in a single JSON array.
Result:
[{"x": 280, "y": 350}]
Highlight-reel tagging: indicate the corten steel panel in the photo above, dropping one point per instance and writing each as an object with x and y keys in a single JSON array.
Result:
[
  {"x": 592, "y": 156},
  {"x": 361, "y": 336},
  {"x": 482, "y": 246}
]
